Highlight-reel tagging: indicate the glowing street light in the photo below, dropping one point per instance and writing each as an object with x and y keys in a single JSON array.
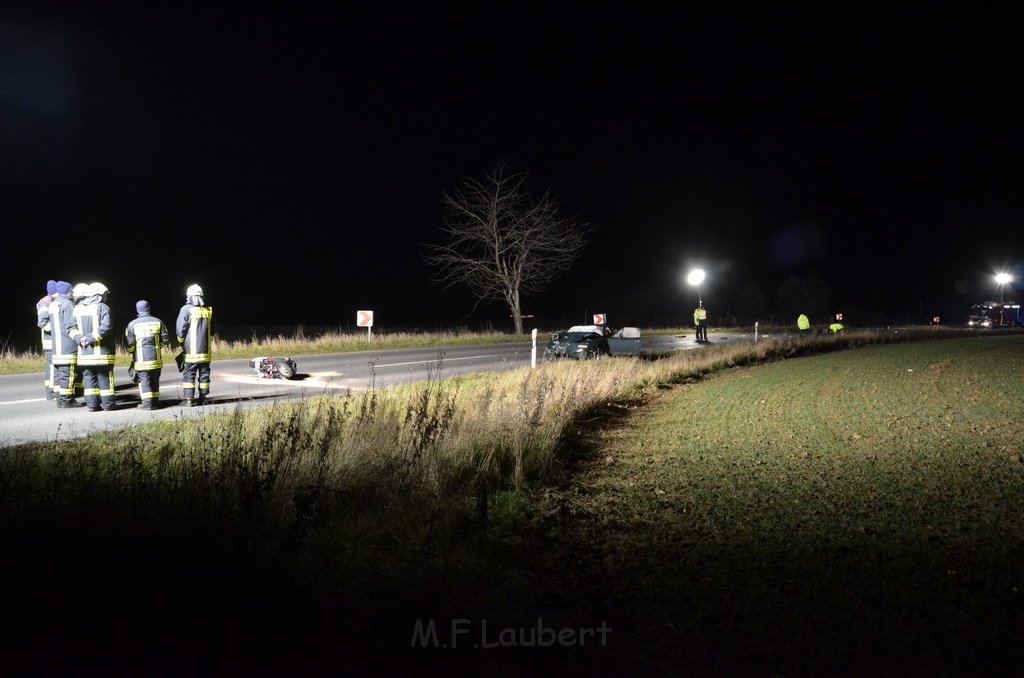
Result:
[
  {"x": 695, "y": 278},
  {"x": 1003, "y": 279}
]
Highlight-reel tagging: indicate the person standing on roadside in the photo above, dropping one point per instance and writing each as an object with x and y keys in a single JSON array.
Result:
[
  {"x": 43, "y": 323},
  {"x": 700, "y": 321},
  {"x": 79, "y": 293},
  {"x": 147, "y": 336},
  {"x": 96, "y": 348},
  {"x": 64, "y": 333},
  {"x": 803, "y": 323},
  {"x": 194, "y": 328}
]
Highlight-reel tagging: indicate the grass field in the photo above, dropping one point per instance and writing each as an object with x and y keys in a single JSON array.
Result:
[
  {"x": 802, "y": 516},
  {"x": 829, "y": 515}
]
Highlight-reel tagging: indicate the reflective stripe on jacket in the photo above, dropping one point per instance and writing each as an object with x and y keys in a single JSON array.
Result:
[
  {"x": 64, "y": 331},
  {"x": 194, "y": 327},
  {"x": 94, "y": 322},
  {"x": 43, "y": 321},
  {"x": 147, "y": 337}
]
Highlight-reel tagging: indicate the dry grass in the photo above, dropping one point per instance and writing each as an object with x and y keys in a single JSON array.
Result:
[{"x": 393, "y": 497}]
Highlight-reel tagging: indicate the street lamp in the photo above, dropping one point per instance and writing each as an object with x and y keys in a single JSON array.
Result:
[
  {"x": 1003, "y": 279},
  {"x": 695, "y": 278}
]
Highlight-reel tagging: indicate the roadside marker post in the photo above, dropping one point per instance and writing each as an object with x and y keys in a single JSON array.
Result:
[
  {"x": 533, "y": 351},
  {"x": 365, "y": 319},
  {"x": 755, "y": 331}
]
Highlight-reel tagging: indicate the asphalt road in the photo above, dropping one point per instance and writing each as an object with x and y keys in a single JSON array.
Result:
[{"x": 26, "y": 416}]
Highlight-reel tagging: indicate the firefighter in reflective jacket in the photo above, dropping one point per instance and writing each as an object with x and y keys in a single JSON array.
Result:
[
  {"x": 803, "y": 323},
  {"x": 79, "y": 293},
  {"x": 43, "y": 323},
  {"x": 96, "y": 348},
  {"x": 146, "y": 338},
  {"x": 64, "y": 334},
  {"x": 194, "y": 328}
]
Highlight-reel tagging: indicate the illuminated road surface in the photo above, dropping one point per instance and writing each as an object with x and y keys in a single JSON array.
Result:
[{"x": 26, "y": 416}]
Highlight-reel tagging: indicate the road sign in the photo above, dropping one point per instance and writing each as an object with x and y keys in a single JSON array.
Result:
[
  {"x": 600, "y": 319},
  {"x": 364, "y": 318}
]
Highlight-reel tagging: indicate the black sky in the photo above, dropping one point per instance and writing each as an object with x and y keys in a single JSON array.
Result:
[{"x": 291, "y": 160}]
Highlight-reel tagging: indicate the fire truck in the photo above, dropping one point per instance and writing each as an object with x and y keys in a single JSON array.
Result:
[{"x": 995, "y": 314}]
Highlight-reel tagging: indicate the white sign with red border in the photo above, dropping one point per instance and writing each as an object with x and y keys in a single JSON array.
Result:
[{"x": 364, "y": 318}]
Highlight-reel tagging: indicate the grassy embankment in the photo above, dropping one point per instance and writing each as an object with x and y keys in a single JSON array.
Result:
[
  {"x": 844, "y": 514},
  {"x": 329, "y": 523}
]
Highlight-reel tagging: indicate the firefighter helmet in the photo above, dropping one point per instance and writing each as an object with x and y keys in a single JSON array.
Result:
[
  {"x": 80, "y": 291},
  {"x": 98, "y": 288},
  {"x": 194, "y": 291}
]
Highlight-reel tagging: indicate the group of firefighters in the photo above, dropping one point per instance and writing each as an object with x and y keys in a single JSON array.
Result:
[{"x": 76, "y": 328}]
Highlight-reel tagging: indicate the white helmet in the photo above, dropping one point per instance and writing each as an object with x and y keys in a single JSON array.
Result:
[
  {"x": 194, "y": 291},
  {"x": 98, "y": 288},
  {"x": 80, "y": 291}
]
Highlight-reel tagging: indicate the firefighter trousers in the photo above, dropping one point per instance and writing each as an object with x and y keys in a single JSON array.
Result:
[
  {"x": 48, "y": 375},
  {"x": 62, "y": 377},
  {"x": 149, "y": 385},
  {"x": 98, "y": 385},
  {"x": 195, "y": 375}
]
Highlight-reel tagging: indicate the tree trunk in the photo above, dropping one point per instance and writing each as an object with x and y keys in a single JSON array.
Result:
[{"x": 517, "y": 313}]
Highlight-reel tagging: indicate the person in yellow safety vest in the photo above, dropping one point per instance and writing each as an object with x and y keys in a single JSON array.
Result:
[
  {"x": 64, "y": 334},
  {"x": 43, "y": 323},
  {"x": 700, "y": 321},
  {"x": 836, "y": 327},
  {"x": 803, "y": 323},
  {"x": 96, "y": 348},
  {"x": 194, "y": 328},
  {"x": 146, "y": 338}
]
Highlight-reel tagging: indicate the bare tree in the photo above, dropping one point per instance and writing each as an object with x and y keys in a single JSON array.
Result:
[{"x": 502, "y": 242}]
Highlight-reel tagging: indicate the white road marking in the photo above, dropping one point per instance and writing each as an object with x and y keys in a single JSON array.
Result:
[
  {"x": 318, "y": 378},
  {"x": 18, "y": 402},
  {"x": 317, "y": 381},
  {"x": 434, "y": 360}
]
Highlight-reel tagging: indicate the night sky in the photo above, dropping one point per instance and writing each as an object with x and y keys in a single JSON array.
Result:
[{"x": 292, "y": 161}]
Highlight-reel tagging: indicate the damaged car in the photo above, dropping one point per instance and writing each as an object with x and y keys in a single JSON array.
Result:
[{"x": 593, "y": 341}]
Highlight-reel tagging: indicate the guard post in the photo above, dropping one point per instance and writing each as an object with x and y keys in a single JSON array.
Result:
[{"x": 365, "y": 319}]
